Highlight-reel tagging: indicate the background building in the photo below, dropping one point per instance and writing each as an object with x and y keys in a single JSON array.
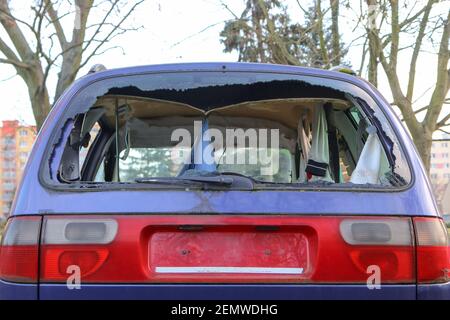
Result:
[
  {"x": 16, "y": 141},
  {"x": 440, "y": 171}
]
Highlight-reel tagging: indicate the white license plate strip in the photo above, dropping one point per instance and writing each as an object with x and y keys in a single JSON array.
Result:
[{"x": 256, "y": 270}]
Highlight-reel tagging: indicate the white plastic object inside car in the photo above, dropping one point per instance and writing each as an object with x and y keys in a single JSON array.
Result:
[{"x": 368, "y": 167}]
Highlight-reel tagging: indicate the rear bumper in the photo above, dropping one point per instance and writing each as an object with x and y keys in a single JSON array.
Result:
[
  {"x": 227, "y": 292},
  {"x": 18, "y": 291},
  {"x": 439, "y": 291},
  {"x": 11, "y": 291}
]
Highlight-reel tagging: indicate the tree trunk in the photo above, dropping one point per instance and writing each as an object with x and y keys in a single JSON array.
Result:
[
  {"x": 373, "y": 70},
  {"x": 258, "y": 31},
  {"x": 69, "y": 70},
  {"x": 372, "y": 33},
  {"x": 373, "y": 61},
  {"x": 38, "y": 93},
  {"x": 320, "y": 33},
  {"x": 40, "y": 104},
  {"x": 336, "y": 59},
  {"x": 423, "y": 140}
]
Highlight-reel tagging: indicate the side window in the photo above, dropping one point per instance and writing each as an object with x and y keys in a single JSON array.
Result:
[{"x": 355, "y": 115}]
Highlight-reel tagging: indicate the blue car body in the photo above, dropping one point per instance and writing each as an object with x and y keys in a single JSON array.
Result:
[{"x": 34, "y": 197}]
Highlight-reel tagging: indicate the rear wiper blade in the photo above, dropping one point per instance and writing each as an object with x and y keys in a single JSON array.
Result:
[
  {"x": 156, "y": 180},
  {"x": 216, "y": 180}
]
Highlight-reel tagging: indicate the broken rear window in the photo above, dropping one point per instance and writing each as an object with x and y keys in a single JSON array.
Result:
[{"x": 274, "y": 130}]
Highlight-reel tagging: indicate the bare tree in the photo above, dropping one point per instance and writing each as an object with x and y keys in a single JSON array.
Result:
[
  {"x": 30, "y": 44},
  {"x": 385, "y": 48}
]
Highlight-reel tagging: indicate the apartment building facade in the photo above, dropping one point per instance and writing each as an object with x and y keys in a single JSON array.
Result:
[
  {"x": 16, "y": 141},
  {"x": 440, "y": 171}
]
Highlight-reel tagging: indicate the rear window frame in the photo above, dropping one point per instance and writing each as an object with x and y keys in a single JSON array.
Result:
[{"x": 68, "y": 112}]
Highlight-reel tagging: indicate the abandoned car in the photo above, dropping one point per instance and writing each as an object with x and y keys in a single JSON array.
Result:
[{"x": 223, "y": 181}]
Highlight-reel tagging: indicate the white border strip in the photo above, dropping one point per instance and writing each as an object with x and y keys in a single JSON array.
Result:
[{"x": 228, "y": 270}]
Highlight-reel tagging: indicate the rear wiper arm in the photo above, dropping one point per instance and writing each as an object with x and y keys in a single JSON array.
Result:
[
  {"x": 216, "y": 180},
  {"x": 210, "y": 179}
]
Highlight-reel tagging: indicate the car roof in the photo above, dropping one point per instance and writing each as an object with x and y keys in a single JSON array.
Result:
[{"x": 221, "y": 66}]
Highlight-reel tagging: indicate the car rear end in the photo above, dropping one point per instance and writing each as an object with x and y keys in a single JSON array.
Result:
[{"x": 87, "y": 224}]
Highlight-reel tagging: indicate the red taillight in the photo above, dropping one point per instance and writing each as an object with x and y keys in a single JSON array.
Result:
[
  {"x": 59, "y": 260},
  {"x": 20, "y": 249},
  {"x": 383, "y": 243},
  {"x": 433, "y": 263},
  {"x": 79, "y": 242}
]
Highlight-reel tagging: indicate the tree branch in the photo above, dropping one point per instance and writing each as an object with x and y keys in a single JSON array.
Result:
[
  {"x": 110, "y": 34},
  {"x": 395, "y": 29},
  {"x": 55, "y": 20},
  {"x": 442, "y": 79},
  {"x": 443, "y": 122},
  {"x": 14, "y": 32},
  {"x": 417, "y": 45},
  {"x": 280, "y": 49},
  {"x": 15, "y": 63},
  {"x": 101, "y": 24},
  {"x": 79, "y": 29},
  {"x": 8, "y": 52}
]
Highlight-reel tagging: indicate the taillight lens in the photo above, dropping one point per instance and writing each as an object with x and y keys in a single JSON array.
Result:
[
  {"x": 433, "y": 263},
  {"x": 75, "y": 242},
  {"x": 20, "y": 249},
  {"x": 386, "y": 243},
  {"x": 390, "y": 232}
]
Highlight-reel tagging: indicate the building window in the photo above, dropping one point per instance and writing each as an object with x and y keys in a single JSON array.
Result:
[
  {"x": 9, "y": 174},
  {"x": 23, "y": 144},
  {"x": 8, "y": 196},
  {"x": 8, "y": 141},
  {"x": 8, "y": 186},
  {"x": 23, "y": 133},
  {"x": 445, "y": 155},
  {"x": 9, "y": 164},
  {"x": 9, "y": 154},
  {"x": 444, "y": 144},
  {"x": 23, "y": 155},
  {"x": 433, "y": 155},
  {"x": 434, "y": 176},
  {"x": 6, "y": 209}
]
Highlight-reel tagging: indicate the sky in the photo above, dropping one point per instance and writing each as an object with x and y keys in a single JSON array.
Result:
[{"x": 188, "y": 31}]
